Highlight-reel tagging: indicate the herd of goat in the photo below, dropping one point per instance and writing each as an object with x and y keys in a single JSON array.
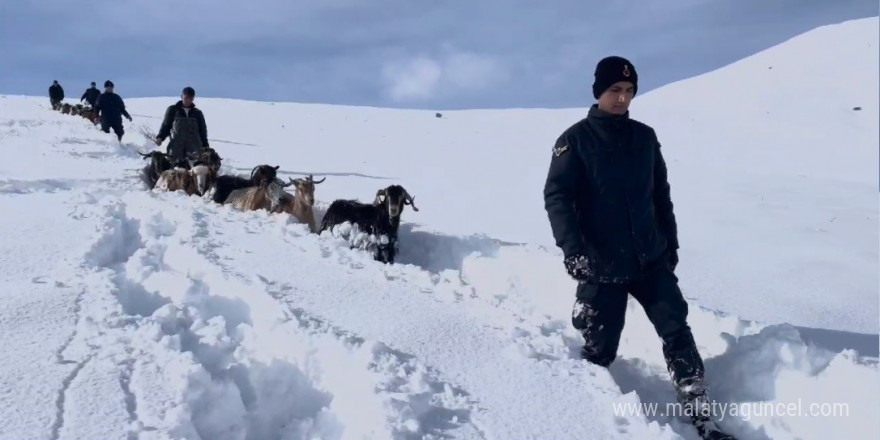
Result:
[
  {"x": 263, "y": 190},
  {"x": 86, "y": 111}
]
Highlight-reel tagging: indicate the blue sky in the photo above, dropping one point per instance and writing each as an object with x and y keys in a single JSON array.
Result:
[{"x": 390, "y": 53}]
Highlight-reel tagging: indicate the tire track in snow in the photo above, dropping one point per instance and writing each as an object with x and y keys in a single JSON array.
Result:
[
  {"x": 111, "y": 246},
  {"x": 130, "y": 398},
  {"x": 77, "y": 313},
  {"x": 62, "y": 393}
]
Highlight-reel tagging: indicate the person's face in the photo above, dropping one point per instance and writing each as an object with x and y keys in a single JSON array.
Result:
[
  {"x": 108, "y": 89},
  {"x": 187, "y": 99},
  {"x": 617, "y": 98}
]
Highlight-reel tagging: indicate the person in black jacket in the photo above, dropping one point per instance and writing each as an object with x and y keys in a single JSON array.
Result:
[
  {"x": 608, "y": 201},
  {"x": 56, "y": 94},
  {"x": 186, "y": 126},
  {"x": 110, "y": 108},
  {"x": 91, "y": 95}
]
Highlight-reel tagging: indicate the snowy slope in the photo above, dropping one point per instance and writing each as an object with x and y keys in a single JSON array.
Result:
[{"x": 135, "y": 314}]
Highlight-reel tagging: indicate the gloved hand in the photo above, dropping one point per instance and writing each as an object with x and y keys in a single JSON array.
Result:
[
  {"x": 578, "y": 267},
  {"x": 673, "y": 259},
  {"x": 129, "y": 118}
]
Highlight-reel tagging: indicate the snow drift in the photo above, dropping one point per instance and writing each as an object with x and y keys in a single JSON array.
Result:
[{"x": 129, "y": 313}]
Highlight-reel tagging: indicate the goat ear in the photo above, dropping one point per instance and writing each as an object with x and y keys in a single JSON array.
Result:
[{"x": 277, "y": 166}]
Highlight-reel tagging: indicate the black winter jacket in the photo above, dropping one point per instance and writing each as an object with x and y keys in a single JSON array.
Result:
[
  {"x": 91, "y": 95},
  {"x": 176, "y": 111},
  {"x": 56, "y": 92},
  {"x": 607, "y": 196},
  {"x": 110, "y": 107}
]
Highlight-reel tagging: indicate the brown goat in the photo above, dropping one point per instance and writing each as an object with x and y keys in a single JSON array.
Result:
[
  {"x": 65, "y": 108},
  {"x": 252, "y": 198},
  {"x": 88, "y": 113},
  {"x": 300, "y": 204}
]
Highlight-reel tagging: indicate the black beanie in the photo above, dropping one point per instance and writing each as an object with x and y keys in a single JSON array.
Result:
[
  {"x": 189, "y": 91},
  {"x": 108, "y": 83},
  {"x": 611, "y": 70}
]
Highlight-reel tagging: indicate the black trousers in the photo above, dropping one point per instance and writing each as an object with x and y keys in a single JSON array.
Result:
[
  {"x": 115, "y": 125},
  {"x": 600, "y": 310}
]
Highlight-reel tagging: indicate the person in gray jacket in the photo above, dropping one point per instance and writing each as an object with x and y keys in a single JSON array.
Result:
[{"x": 185, "y": 124}]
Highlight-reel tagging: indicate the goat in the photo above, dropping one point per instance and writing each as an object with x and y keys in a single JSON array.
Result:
[
  {"x": 88, "y": 113},
  {"x": 158, "y": 164},
  {"x": 380, "y": 220},
  {"x": 76, "y": 110},
  {"x": 209, "y": 157},
  {"x": 65, "y": 108},
  {"x": 261, "y": 175},
  {"x": 191, "y": 181},
  {"x": 300, "y": 204},
  {"x": 254, "y": 198}
]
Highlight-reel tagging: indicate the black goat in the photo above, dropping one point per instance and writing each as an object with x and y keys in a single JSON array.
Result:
[
  {"x": 209, "y": 157},
  {"x": 380, "y": 219},
  {"x": 261, "y": 176},
  {"x": 158, "y": 163}
]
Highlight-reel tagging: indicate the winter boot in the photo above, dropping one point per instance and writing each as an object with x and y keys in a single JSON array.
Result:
[
  {"x": 692, "y": 394},
  {"x": 685, "y": 365}
]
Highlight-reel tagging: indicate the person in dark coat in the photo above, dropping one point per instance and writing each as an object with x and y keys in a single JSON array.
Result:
[
  {"x": 91, "y": 95},
  {"x": 186, "y": 125},
  {"x": 608, "y": 201},
  {"x": 110, "y": 109},
  {"x": 56, "y": 94}
]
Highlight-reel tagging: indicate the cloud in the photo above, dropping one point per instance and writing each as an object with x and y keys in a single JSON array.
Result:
[
  {"x": 415, "y": 79},
  {"x": 468, "y": 71},
  {"x": 439, "y": 55},
  {"x": 422, "y": 78}
]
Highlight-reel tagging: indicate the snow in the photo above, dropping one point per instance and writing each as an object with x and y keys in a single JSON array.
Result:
[{"x": 128, "y": 313}]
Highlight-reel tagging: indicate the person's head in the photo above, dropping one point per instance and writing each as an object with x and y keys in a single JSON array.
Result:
[
  {"x": 187, "y": 96},
  {"x": 55, "y": 82},
  {"x": 94, "y": 86},
  {"x": 616, "y": 83},
  {"x": 108, "y": 86}
]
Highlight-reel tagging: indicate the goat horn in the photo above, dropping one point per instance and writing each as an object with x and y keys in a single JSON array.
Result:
[
  {"x": 291, "y": 182},
  {"x": 317, "y": 181},
  {"x": 379, "y": 193},
  {"x": 144, "y": 155},
  {"x": 410, "y": 200},
  {"x": 254, "y": 171}
]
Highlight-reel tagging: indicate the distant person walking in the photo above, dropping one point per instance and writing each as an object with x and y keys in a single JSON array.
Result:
[
  {"x": 110, "y": 109},
  {"x": 186, "y": 126},
  {"x": 56, "y": 94},
  {"x": 91, "y": 95}
]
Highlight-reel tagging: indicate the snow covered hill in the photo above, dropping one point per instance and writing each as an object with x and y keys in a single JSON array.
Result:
[{"x": 128, "y": 313}]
